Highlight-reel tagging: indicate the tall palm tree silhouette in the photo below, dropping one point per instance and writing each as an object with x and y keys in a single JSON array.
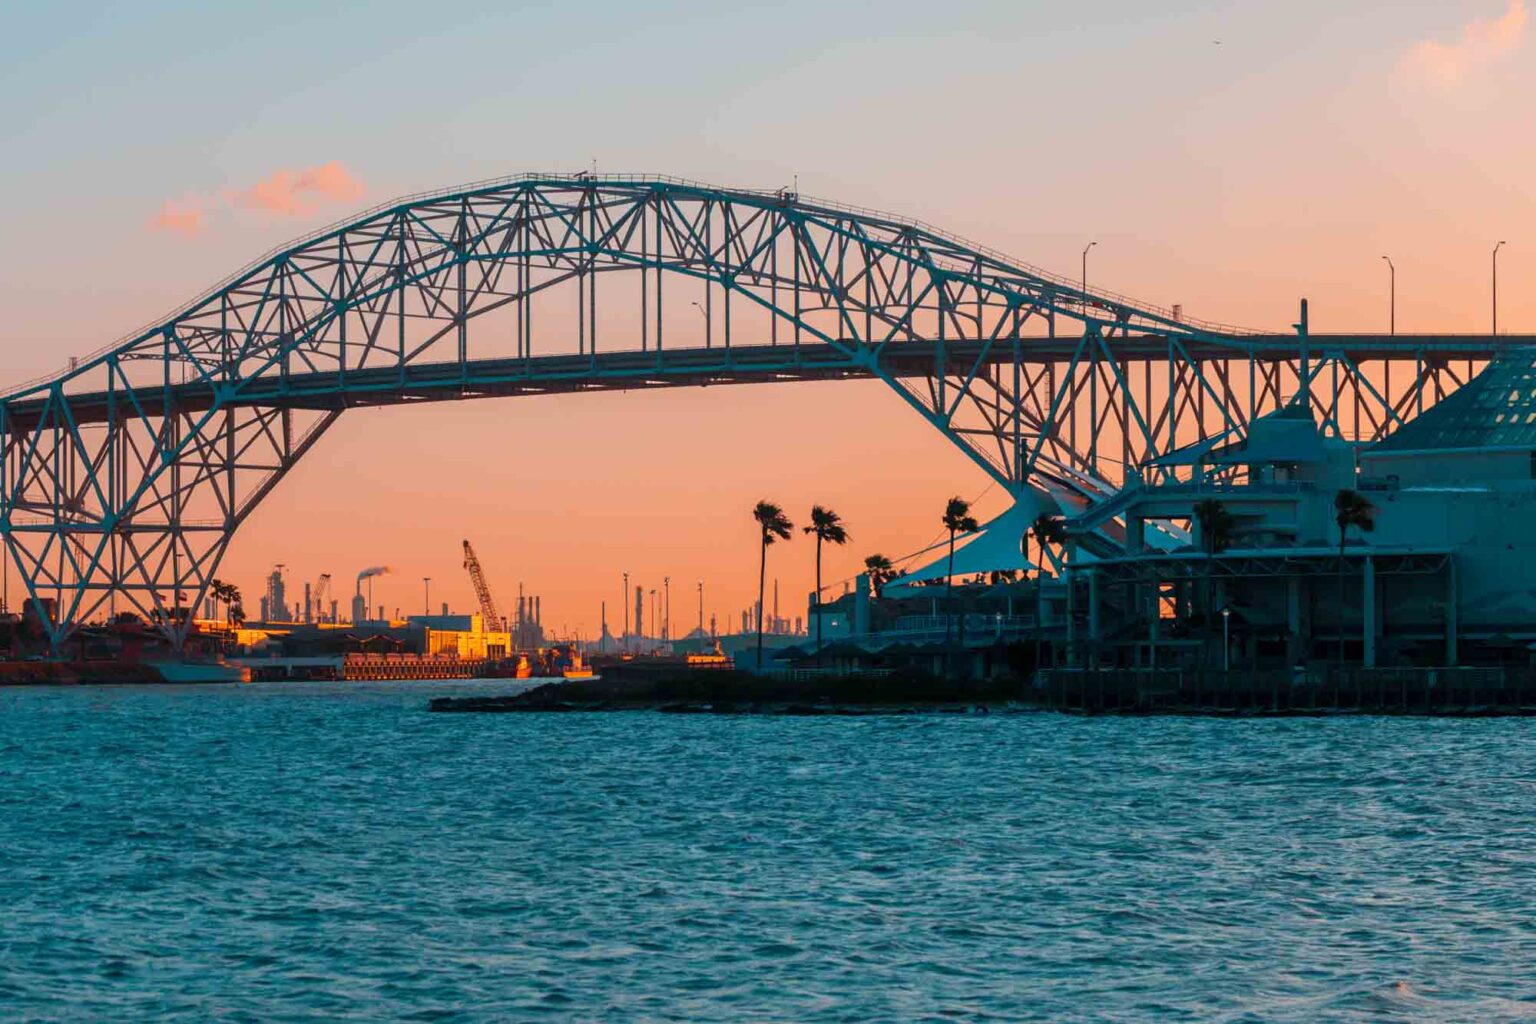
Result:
[
  {"x": 1350, "y": 508},
  {"x": 217, "y": 589},
  {"x": 880, "y": 571},
  {"x": 1216, "y": 525},
  {"x": 1049, "y": 531},
  {"x": 774, "y": 525},
  {"x": 236, "y": 605},
  {"x": 827, "y": 527},
  {"x": 957, "y": 520}
]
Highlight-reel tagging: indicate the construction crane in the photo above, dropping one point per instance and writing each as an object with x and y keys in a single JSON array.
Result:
[
  {"x": 322, "y": 591},
  {"x": 482, "y": 591}
]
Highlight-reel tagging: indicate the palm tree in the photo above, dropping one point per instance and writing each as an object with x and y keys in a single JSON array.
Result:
[
  {"x": 1350, "y": 508},
  {"x": 235, "y": 604},
  {"x": 880, "y": 571},
  {"x": 826, "y": 526},
  {"x": 1216, "y": 525},
  {"x": 216, "y": 592},
  {"x": 957, "y": 519},
  {"x": 773, "y": 525},
  {"x": 1048, "y": 530}
]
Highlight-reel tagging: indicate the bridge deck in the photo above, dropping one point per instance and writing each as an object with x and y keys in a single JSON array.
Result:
[{"x": 741, "y": 364}]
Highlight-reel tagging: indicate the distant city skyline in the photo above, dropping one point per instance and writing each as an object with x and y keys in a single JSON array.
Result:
[{"x": 1230, "y": 161}]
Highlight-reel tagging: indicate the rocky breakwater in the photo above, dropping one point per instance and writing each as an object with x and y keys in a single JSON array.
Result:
[{"x": 736, "y": 692}]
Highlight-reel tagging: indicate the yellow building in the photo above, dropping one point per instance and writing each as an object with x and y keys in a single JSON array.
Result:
[{"x": 463, "y": 636}]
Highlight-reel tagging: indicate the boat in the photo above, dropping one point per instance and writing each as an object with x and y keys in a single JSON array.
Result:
[
  {"x": 507, "y": 668},
  {"x": 716, "y": 658},
  {"x": 577, "y": 669},
  {"x": 199, "y": 671}
]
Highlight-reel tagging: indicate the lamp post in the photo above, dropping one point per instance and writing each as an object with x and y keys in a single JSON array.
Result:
[
  {"x": 1496, "y": 286},
  {"x": 701, "y": 614},
  {"x": 1226, "y": 639},
  {"x": 1393, "y": 278},
  {"x": 624, "y": 603},
  {"x": 708, "y": 326},
  {"x": 1090, "y": 245},
  {"x": 666, "y": 609},
  {"x": 426, "y": 592}
]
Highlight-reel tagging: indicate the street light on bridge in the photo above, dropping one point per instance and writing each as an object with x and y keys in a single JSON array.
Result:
[
  {"x": 1496, "y": 286},
  {"x": 1090, "y": 245},
  {"x": 708, "y": 326},
  {"x": 1393, "y": 300}
]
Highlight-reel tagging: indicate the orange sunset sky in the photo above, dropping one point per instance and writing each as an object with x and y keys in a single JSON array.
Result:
[{"x": 1228, "y": 157}]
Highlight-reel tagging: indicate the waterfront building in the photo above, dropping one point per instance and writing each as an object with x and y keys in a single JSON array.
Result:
[{"x": 1445, "y": 575}]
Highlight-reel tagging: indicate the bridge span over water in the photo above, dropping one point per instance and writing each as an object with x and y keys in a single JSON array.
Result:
[{"x": 124, "y": 477}]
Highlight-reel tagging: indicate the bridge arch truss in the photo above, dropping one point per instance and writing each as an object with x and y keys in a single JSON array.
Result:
[{"x": 123, "y": 479}]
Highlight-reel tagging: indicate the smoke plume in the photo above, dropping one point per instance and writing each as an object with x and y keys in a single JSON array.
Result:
[{"x": 376, "y": 570}]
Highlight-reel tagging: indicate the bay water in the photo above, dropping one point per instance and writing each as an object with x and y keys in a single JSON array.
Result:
[{"x": 288, "y": 852}]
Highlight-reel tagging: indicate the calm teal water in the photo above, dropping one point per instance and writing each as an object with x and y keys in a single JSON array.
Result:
[{"x": 284, "y": 853}]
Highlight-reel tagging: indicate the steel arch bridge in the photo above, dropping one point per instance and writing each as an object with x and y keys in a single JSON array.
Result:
[{"x": 125, "y": 476}]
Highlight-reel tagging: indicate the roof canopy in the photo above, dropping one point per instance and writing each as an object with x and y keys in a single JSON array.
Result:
[{"x": 998, "y": 545}]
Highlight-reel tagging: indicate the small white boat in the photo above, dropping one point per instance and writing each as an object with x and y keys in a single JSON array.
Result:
[{"x": 200, "y": 672}]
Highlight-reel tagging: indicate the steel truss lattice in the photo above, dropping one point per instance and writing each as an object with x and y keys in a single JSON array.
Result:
[{"x": 125, "y": 477}]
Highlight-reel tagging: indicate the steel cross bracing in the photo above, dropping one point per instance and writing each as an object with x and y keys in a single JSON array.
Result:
[{"x": 125, "y": 477}]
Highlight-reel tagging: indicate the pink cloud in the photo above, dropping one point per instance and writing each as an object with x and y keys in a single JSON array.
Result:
[
  {"x": 1482, "y": 41},
  {"x": 285, "y": 193},
  {"x": 183, "y": 217},
  {"x": 294, "y": 193}
]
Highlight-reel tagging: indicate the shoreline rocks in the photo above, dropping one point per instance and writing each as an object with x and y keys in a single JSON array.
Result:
[{"x": 718, "y": 692}]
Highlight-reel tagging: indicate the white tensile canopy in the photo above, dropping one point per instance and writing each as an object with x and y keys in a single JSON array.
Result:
[{"x": 998, "y": 545}]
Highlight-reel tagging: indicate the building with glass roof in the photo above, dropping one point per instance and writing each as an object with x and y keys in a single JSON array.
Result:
[{"x": 1495, "y": 409}]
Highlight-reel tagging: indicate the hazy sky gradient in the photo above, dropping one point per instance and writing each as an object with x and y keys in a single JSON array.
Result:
[{"x": 1227, "y": 157}]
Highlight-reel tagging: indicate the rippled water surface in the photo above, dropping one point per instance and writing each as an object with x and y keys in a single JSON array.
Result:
[{"x": 269, "y": 853}]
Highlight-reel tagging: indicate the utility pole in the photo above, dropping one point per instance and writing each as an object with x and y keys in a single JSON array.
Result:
[
  {"x": 701, "y": 611},
  {"x": 624, "y": 603},
  {"x": 666, "y": 609}
]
